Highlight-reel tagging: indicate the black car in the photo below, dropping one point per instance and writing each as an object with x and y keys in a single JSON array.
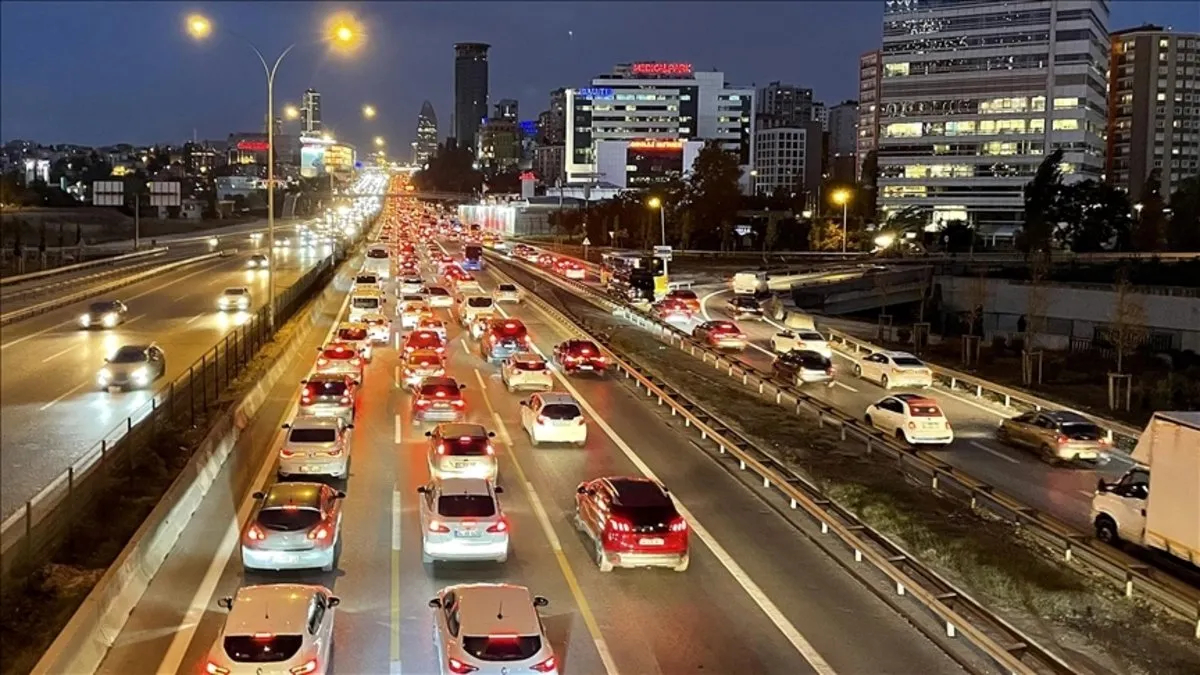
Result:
[
  {"x": 802, "y": 367},
  {"x": 744, "y": 307},
  {"x": 104, "y": 314}
]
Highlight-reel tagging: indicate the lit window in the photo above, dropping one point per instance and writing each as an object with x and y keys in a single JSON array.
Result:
[
  {"x": 902, "y": 130},
  {"x": 1161, "y": 96},
  {"x": 895, "y": 69},
  {"x": 1066, "y": 103},
  {"x": 1066, "y": 125}
]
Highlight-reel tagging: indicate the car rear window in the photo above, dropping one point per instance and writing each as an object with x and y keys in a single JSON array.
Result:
[
  {"x": 352, "y": 334},
  {"x": 329, "y": 388},
  {"x": 270, "y": 649},
  {"x": 814, "y": 362},
  {"x": 466, "y": 506},
  {"x": 432, "y": 390},
  {"x": 288, "y": 519},
  {"x": 924, "y": 410},
  {"x": 128, "y": 355},
  {"x": 508, "y": 288},
  {"x": 908, "y": 361},
  {"x": 466, "y": 445},
  {"x": 377, "y": 253},
  {"x": 645, "y": 519},
  {"x": 338, "y": 354},
  {"x": 365, "y": 303},
  {"x": 561, "y": 411},
  {"x": 1081, "y": 431},
  {"x": 437, "y": 290},
  {"x": 530, "y": 365},
  {"x": 366, "y": 279},
  {"x": 479, "y": 301},
  {"x": 312, "y": 435},
  {"x": 502, "y": 647},
  {"x": 683, "y": 295}
]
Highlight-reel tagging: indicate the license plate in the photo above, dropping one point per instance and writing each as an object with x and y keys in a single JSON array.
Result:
[
  {"x": 310, "y": 468},
  {"x": 461, "y": 465},
  {"x": 651, "y": 541},
  {"x": 466, "y": 533},
  {"x": 585, "y": 367}
]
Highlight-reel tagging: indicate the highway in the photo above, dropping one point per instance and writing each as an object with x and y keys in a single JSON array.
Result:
[
  {"x": 51, "y": 411},
  {"x": 757, "y": 598}
]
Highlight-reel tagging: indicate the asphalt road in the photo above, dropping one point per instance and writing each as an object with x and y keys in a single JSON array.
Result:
[
  {"x": 51, "y": 411},
  {"x": 756, "y": 599}
]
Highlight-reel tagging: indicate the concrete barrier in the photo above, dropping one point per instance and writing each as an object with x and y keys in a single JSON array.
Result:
[
  {"x": 92, "y": 630},
  {"x": 65, "y": 269}
]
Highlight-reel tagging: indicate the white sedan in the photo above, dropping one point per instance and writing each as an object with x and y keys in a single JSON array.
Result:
[
  {"x": 526, "y": 370},
  {"x": 894, "y": 369},
  {"x": 461, "y": 520}
]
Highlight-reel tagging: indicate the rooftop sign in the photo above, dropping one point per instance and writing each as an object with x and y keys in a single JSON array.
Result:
[
  {"x": 596, "y": 92},
  {"x": 656, "y": 145},
  {"x": 655, "y": 68},
  {"x": 253, "y": 146}
]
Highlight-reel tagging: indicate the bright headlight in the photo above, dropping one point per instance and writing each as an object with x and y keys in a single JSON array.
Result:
[
  {"x": 110, "y": 319},
  {"x": 104, "y": 376},
  {"x": 85, "y": 320},
  {"x": 141, "y": 373}
]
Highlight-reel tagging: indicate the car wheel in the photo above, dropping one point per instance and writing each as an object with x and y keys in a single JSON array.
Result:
[
  {"x": 883, "y": 382},
  {"x": 857, "y": 371},
  {"x": 867, "y": 419},
  {"x": 902, "y": 437},
  {"x": 1106, "y": 531},
  {"x": 1048, "y": 454}
]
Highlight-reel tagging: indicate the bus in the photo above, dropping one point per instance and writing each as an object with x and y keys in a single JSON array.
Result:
[
  {"x": 472, "y": 257},
  {"x": 633, "y": 272}
]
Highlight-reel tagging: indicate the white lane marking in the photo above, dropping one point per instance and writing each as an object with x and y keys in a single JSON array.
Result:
[
  {"x": 397, "y": 339},
  {"x": 399, "y": 432},
  {"x": 997, "y": 453},
  {"x": 189, "y": 321},
  {"x": 845, "y": 386},
  {"x": 704, "y": 304},
  {"x": 396, "y": 376},
  {"x": 57, "y": 354},
  {"x": 396, "y": 518},
  {"x": 65, "y": 394},
  {"x": 752, "y": 589}
]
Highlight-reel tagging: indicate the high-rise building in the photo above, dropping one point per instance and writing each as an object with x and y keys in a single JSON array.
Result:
[
  {"x": 310, "y": 113},
  {"x": 656, "y": 108},
  {"x": 820, "y": 114},
  {"x": 506, "y": 109},
  {"x": 842, "y": 147},
  {"x": 427, "y": 135},
  {"x": 787, "y": 158},
  {"x": 870, "y": 77},
  {"x": 552, "y": 123},
  {"x": 976, "y": 93},
  {"x": 1153, "y": 109},
  {"x": 470, "y": 91},
  {"x": 783, "y": 105},
  {"x": 278, "y": 121}
]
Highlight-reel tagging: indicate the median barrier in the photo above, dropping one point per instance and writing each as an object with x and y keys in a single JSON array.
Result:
[{"x": 65, "y": 269}]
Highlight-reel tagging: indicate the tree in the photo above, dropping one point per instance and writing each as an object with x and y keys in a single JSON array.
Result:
[
  {"x": 1096, "y": 215},
  {"x": 451, "y": 169},
  {"x": 771, "y": 234},
  {"x": 1041, "y": 202},
  {"x": 42, "y": 238},
  {"x": 1037, "y": 304},
  {"x": 713, "y": 193},
  {"x": 1183, "y": 230},
  {"x": 1150, "y": 231},
  {"x": 825, "y": 235},
  {"x": 1128, "y": 330}
]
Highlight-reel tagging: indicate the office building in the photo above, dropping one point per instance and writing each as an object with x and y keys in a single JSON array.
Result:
[
  {"x": 787, "y": 159},
  {"x": 548, "y": 163},
  {"x": 499, "y": 140},
  {"x": 427, "y": 135},
  {"x": 552, "y": 123},
  {"x": 820, "y": 114},
  {"x": 975, "y": 94},
  {"x": 842, "y": 141},
  {"x": 870, "y": 79},
  {"x": 310, "y": 113},
  {"x": 1153, "y": 109},
  {"x": 783, "y": 105},
  {"x": 506, "y": 108},
  {"x": 470, "y": 91},
  {"x": 666, "y": 102}
]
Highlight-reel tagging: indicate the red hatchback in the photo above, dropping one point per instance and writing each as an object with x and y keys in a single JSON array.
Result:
[
  {"x": 633, "y": 523},
  {"x": 579, "y": 355},
  {"x": 424, "y": 339}
]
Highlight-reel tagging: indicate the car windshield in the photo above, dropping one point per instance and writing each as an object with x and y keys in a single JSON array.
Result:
[
  {"x": 128, "y": 355},
  {"x": 235, "y": 291},
  {"x": 378, "y": 253},
  {"x": 507, "y": 288},
  {"x": 479, "y": 301},
  {"x": 288, "y": 518},
  {"x": 466, "y": 445},
  {"x": 101, "y": 307},
  {"x": 810, "y": 335},
  {"x": 924, "y": 410},
  {"x": 365, "y": 303},
  {"x": 313, "y": 435},
  {"x": 745, "y": 303},
  {"x": 466, "y": 506},
  {"x": 338, "y": 353},
  {"x": 352, "y": 334},
  {"x": 432, "y": 391},
  {"x": 560, "y": 411},
  {"x": 256, "y": 649},
  {"x": 366, "y": 279},
  {"x": 502, "y": 647},
  {"x": 910, "y": 361},
  {"x": 530, "y": 365}
]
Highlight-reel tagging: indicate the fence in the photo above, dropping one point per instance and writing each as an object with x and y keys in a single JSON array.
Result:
[{"x": 32, "y": 535}]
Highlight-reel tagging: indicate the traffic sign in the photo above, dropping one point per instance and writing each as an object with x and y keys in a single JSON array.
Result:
[
  {"x": 108, "y": 193},
  {"x": 663, "y": 252},
  {"x": 587, "y": 242},
  {"x": 164, "y": 193}
]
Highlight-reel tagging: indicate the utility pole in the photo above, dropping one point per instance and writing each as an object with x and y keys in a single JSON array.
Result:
[{"x": 137, "y": 220}]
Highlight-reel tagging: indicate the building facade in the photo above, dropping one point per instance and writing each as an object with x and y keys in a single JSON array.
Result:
[
  {"x": 787, "y": 159},
  {"x": 427, "y": 135},
  {"x": 783, "y": 105},
  {"x": 310, "y": 113},
  {"x": 870, "y": 78},
  {"x": 507, "y": 109},
  {"x": 499, "y": 141},
  {"x": 644, "y": 164},
  {"x": 975, "y": 94},
  {"x": 820, "y": 114},
  {"x": 842, "y": 144},
  {"x": 1153, "y": 109},
  {"x": 653, "y": 101},
  {"x": 470, "y": 91}
]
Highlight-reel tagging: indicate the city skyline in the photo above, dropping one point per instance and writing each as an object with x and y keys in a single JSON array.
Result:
[{"x": 215, "y": 89}]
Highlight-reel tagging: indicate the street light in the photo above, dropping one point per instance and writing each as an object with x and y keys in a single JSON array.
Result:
[
  {"x": 291, "y": 112},
  {"x": 341, "y": 31},
  {"x": 842, "y": 198},
  {"x": 379, "y": 142},
  {"x": 369, "y": 111},
  {"x": 656, "y": 203}
]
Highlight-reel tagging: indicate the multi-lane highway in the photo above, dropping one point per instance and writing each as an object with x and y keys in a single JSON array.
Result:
[
  {"x": 757, "y": 598},
  {"x": 52, "y": 410}
]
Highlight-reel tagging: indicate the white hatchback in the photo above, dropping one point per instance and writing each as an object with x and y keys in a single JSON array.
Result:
[
  {"x": 316, "y": 446},
  {"x": 526, "y": 370},
  {"x": 911, "y": 418},
  {"x": 411, "y": 285},
  {"x": 894, "y": 369},
  {"x": 461, "y": 520},
  {"x": 471, "y": 636},
  {"x": 458, "y": 450},
  {"x": 276, "y": 628},
  {"x": 553, "y": 417}
]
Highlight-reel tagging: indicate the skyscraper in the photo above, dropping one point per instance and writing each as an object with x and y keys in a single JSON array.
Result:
[
  {"x": 784, "y": 105},
  {"x": 470, "y": 91},
  {"x": 310, "y": 113},
  {"x": 506, "y": 109},
  {"x": 427, "y": 135},
  {"x": 976, "y": 93}
]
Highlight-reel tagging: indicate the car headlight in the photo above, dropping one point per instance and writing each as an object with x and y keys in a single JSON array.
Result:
[
  {"x": 104, "y": 375},
  {"x": 141, "y": 373},
  {"x": 110, "y": 319},
  {"x": 85, "y": 320}
]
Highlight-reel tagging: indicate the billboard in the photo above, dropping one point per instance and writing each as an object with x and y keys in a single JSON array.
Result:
[
  {"x": 108, "y": 193},
  {"x": 339, "y": 157},
  {"x": 312, "y": 160}
]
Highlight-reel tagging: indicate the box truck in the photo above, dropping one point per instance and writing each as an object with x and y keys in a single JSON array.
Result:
[{"x": 1163, "y": 513}]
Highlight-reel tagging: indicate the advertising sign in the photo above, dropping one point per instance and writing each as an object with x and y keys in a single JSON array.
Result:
[
  {"x": 655, "y": 68},
  {"x": 312, "y": 160},
  {"x": 596, "y": 93}
]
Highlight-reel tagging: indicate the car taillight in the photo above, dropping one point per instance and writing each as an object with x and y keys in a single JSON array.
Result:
[
  {"x": 285, "y": 452},
  {"x": 213, "y": 669},
  {"x": 305, "y": 399},
  {"x": 500, "y": 526},
  {"x": 618, "y": 525},
  {"x": 579, "y": 420},
  {"x": 441, "y": 448},
  {"x": 740, "y": 336},
  {"x": 1062, "y": 439},
  {"x": 458, "y": 403},
  {"x": 309, "y": 666},
  {"x": 679, "y": 525},
  {"x": 422, "y": 402},
  {"x": 571, "y": 358},
  {"x": 320, "y": 534},
  {"x": 345, "y": 400},
  {"x": 602, "y": 359},
  {"x": 439, "y": 526},
  {"x": 409, "y": 349},
  {"x": 439, "y": 350},
  {"x": 545, "y": 666},
  {"x": 334, "y": 451},
  {"x": 255, "y": 533}
]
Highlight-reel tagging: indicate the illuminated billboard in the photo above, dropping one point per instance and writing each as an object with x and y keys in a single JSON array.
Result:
[
  {"x": 312, "y": 160},
  {"x": 339, "y": 158},
  {"x": 662, "y": 69}
]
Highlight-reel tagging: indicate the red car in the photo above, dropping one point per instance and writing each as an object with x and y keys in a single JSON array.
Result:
[
  {"x": 545, "y": 260},
  {"x": 579, "y": 355},
  {"x": 721, "y": 334},
  {"x": 424, "y": 339},
  {"x": 667, "y": 309},
  {"x": 633, "y": 522},
  {"x": 685, "y": 296}
]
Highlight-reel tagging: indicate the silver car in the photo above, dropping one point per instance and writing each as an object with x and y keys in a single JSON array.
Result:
[
  {"x": 316, "y": 446},
  {"x": 526, "y": 370},
  {"x": 234, "y": 299},
  {"x": 439, "y": 297},
  {"x": 294, "y": 526},
  {"x": 506, "y": 293},
  {"x": 132, "y": 367},
  {"x": 473, "y": 637},
  {"x": 328, "y": 395},
  {"x": 458, "y": 450},
  {"x": 461, "y": 519}
]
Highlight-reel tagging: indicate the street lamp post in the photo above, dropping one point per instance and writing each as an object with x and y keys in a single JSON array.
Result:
[{"x": 842, "y": 197}]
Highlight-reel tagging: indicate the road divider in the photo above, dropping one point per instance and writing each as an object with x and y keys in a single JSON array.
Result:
[{"x": 67, "y": 269}]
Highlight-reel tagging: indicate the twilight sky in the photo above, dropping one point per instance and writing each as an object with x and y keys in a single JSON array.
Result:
[{"x": 105, "y": 72}]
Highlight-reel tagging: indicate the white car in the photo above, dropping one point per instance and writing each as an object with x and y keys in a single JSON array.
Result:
[
  {"x": 439, "y": 297},
  {"x": 413, "y": 285},
  {"x": 379, "y": 327},
  {"x": 367, "y": 280},
  {"x": 459, "y": 450},
  {"x": 894, "y": 369},
  {"x": 295, "y": 526},
  {"x": 800, "y": 340},
  {"x": 553, "y": 417},
  {"x": 461, "y": 519},
  {"x": 471, "y": 636},
  {"x": 912, "y": 418},
  {"x": 288, "y": 626},
  {"x": 473, "y": 305},
  {"x": 526, "y": 370},
  {"x": 235, "y": 298},
  {"x": 365, "y": 301},
  {"x": 507, "y": 293},
  {"x": 357, "y": 335},
  {"x": 316, "y": 446},
  {"x": 434, "y": 326},
  {"x": 411, "y": 312}
]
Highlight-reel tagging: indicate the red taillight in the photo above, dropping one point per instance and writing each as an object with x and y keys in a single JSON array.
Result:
[
  {"x": 500, "y": 526},
  {"x": 439, "y": 526},
  {"x": 1062, "y": 439},
  {"x": 305, "y": 399},
  {"x": 439, "y": 350},
  {"x": 422, "y": 402},
  {"x": 491, "y": 450},
  {"x": 320, "y": 534},
  {"x": 679, "y": 525},
  {"x": 335, "y": 450},
  {"x": 309, "y": 666},
  {"x": 285, "y": 452},
  {"x": 255, "y": 533},
  {"x": 441, "y": 448},
  {"x": 545, "y": 666},
  {"x": 618, "y": 525},
  {"x": 213, "y": 669}
]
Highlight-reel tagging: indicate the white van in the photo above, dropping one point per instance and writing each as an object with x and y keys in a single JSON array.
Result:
[
  {"x": 749, "y": 283},
  {"x": 365, "y": 301}
]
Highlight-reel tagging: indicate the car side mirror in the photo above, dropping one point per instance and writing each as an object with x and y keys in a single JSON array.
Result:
[
  {"x": 462, "y": 386},
  {"x": 287, "y": 425},
  {"x": 226, "y": 602},
  {"x": 540, "y": 601},
  {"x": 333, "y": 601},
  {"x": 259, "y": 495},
  {"x": 435, "y": 603},
  {"x": 303, "y": 381},
  {"x": 339, "y": 495},
  {"x": 106, "y": 360},
  {"x": 498, "y": 490},
  {"x": 428, "y": 434},
  {"x": 524, "y": 404},
  {"x": 350, "y": 426},
  {"x": 582, "y": 489},
  {"x": 1101, "y": 486},
  {"x": 422, "y": 489},
  {"x": 491, "y": 434}
]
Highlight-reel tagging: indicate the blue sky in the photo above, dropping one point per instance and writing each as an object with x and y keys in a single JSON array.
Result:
[{"x": 106, "y": 72}]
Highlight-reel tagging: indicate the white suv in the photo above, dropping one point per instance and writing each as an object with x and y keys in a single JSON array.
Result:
[
  {"x": 473, "y": 636},
  {"x": 288, "y": 626},
  {"x": 461, "y": 520},
  {"x": 526, "y": 370}
]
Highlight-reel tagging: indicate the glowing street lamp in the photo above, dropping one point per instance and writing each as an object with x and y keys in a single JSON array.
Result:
[
  {"x": 842, "y": 198},
  {"x": 199, "y": 26},
  {"x": 369, "y": 111},
  {"x": 656, "y": 203},
  {"x": 379, "y": 142},
  {"x": 291, "y": 112}
]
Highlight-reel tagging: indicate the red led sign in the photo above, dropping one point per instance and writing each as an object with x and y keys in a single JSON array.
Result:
[
  {"x": 528, "y": 175},
  {"x": 656, "y": 145},
  {"x": 662, "y": 68},
  {"x": 253, "y": 146}
]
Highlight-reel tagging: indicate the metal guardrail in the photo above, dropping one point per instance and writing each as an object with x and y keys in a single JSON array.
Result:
[
  {"x": 82, "y": 294},
  {"x": 30, "y": 535},
  {"x": 1127, "y": 573},
  {"x": 66, "y": 269},
  {"x": 955, "y": 610}
]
